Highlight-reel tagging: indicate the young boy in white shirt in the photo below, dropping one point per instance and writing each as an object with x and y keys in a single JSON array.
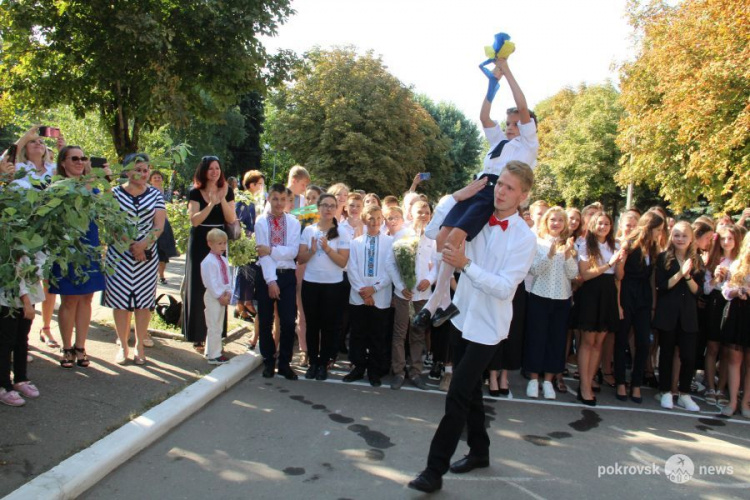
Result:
[
  {"x": 370, "y": 269},
  {"x": 215, "y": 275}
]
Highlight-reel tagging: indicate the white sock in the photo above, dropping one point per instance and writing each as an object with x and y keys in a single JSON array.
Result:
[
  {"x": 442, "y": 287},
  {"x": 449, "y": 369}
]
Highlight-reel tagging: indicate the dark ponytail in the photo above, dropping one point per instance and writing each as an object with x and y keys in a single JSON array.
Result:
[{"x": 333, "y": 232}]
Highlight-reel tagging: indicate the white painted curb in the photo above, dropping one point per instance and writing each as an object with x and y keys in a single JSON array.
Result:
[{"x": 83, "y": 470}]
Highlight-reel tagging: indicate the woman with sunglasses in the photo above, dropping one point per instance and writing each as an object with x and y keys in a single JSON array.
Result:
[
  {"x": 325, "y": 251},
  {"x": 131, "y": 289},
  {"x": 75, "y": 296},
  {"x": 210, "y": 205}
]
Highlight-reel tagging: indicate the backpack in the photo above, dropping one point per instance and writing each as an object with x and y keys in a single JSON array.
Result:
[{"x": 171, "y": 313}]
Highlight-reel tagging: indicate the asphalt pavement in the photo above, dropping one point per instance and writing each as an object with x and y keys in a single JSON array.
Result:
[{"x": 309, "y": 439}]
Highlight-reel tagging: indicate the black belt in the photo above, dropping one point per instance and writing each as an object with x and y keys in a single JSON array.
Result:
[{"x": 282, "y": 271}]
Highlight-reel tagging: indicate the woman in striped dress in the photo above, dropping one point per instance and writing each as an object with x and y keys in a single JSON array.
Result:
[{"x": 132, "y": 287}]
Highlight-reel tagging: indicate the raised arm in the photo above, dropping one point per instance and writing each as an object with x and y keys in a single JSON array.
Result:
[{"x": 518, "y": 97}]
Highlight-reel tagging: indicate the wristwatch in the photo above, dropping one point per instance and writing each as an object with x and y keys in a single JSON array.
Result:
[{"x": 466, "y": 267}]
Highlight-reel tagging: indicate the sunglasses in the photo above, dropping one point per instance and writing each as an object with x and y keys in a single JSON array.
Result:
[
  {"x": 210, "y": 159},
  {"x": 78, "y": 158}
]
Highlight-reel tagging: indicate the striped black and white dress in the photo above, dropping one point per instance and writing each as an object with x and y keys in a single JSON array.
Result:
[{"x": 133, "y": 284}]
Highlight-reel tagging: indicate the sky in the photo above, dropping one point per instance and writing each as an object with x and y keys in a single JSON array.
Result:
[{"x": 436, "y": 46}]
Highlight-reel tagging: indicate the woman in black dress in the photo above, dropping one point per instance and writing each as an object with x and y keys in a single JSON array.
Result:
[
  {"x": 210, "y": 204},
  {"x": 637, "y": 302}
]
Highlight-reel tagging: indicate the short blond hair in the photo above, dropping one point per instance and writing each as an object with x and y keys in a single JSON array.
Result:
[
  {"x": 370, "y": 209},
  {"x": 522, "y": 172},
  {"x": 216, "y": 235},
  {"x": 298, "y": 172}
]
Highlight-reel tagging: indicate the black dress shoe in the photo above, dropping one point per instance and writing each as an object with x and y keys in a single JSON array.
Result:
[
  {"x": 322, "y": 373},
  {"x": 427, "y": 483},
  {"x": 311, "y": 372},
  {"x": 421, "y": 320},
  {"x": 354, "y": 375},
  {"x": 268, "y": 372},
  {"x": 469, "y": 463},
  {"x": 375, "y": 382},
  {"x": 288, "y": 373},
  {"x": 443, "y": 316}
]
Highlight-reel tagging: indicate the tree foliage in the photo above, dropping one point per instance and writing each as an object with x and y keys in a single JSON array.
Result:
[
  {"x": 687, "y": 98},
  {"x": 465, "y": 141},
  {"x": 139, "y": 64},
  {"x": 348, "y": 120},
  {"x": 578, "y": 156}
]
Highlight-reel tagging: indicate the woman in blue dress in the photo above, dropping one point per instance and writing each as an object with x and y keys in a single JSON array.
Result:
[{"x": 75, "y": 293}]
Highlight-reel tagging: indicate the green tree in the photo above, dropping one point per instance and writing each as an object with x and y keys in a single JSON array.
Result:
[
  {"x": 577, "y": 136},
  {"x": 139, "y": 64},
  {"x": 687, "y": 127},
  {"x": 348, "y": 120},
  {"x": 465, "y": 154}
]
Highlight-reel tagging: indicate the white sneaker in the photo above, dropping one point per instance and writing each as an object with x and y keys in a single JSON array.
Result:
[
  {"x": 687, "y": 402},
  {"x": 120, "y": 357},
  {"x": 666, "y": 400},
  {"x": 549, "y": 390},
  {"x": 532, "y": 390}
]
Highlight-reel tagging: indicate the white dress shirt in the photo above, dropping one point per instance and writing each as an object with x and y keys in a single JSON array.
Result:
[
  {"x": 384, "y": 270},
  {"x": 349, "y": 229},
  {"x": 402, "y": 233},
  {"x": 282, "y": 256},
  {"x": 707, "y": 286},
  {"x": 426, "y": 269},
  {"x": 34, "y": 289},
  {"x": 212, "y": 275},
  {"x": 31, "y": 177},
  {"x": 499, "y": 262},
  {"x": 522, "y": 148},
  {"x": 604, "y": 250},
  {"x": 552, "y": 276}
]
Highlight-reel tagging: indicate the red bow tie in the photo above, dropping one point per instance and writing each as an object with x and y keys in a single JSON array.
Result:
[{"x": 494, "y": 221}]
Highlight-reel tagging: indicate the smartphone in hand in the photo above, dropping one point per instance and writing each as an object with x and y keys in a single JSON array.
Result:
[
  {"x": 98, "y": 162},
  {"x": 425, "y": 176},
  {"x": 45, "y": 131}
]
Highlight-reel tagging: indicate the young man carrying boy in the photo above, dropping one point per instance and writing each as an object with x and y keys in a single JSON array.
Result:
[{"x": 216, "y": 279}]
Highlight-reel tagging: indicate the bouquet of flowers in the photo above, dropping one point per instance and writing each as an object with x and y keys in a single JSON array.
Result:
[
  {"x": 405, "y": 251},
  {"x": 306, "y": 215},
  {"x": 242, "y": 251}
]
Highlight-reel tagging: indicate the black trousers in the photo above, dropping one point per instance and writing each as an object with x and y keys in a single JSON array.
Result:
[
  {"x": 463, "y": 405},
  {"x": 320, "y": 301},
  {"x": 14, "y": 341},
  {"x": 686, "y": 342},
  {"x": 287, "y": 304},
  {"x": 368, "y": 341},
  {"x": 640, "y": 320}
]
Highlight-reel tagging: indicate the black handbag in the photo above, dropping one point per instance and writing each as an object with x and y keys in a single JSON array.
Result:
[{"x": 170, "y": 313}]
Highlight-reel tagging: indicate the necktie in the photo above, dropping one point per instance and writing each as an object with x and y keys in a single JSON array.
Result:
[
  {"x": 498, "y": 149},
  {"x": 494, "y": 221},
  {"x": 224, "y": 272}
]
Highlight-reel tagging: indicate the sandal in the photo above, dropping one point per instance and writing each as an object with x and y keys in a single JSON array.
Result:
[
  {"x": 561, "y": 387},
  {"x": 46, "y": 338},
  {"x": 611, "y": 377},
  {"x": 82, "y": 358},
  {"x": 69, "y": 356}
]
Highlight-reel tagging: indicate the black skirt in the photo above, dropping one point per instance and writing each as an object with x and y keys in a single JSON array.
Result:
[
  {"x": 735, "y": 329},
  {"x": 471, "y": 215},
  {"x": 715, "y": 311},
  {"x": 509, "y": 354},
  {"x": 598, "y": 305}
]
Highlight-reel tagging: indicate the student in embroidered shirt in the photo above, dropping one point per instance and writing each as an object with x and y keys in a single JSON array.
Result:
[
  {"x": 518, "y": 142},
  {"x": 215, "y": 276},
  {"x": 370, "y": 270},
  {"x": 277, "y": 237}
]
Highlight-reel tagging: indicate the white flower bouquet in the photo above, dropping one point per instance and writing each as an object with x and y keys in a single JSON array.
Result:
[{"x": 405, "y": 251}]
